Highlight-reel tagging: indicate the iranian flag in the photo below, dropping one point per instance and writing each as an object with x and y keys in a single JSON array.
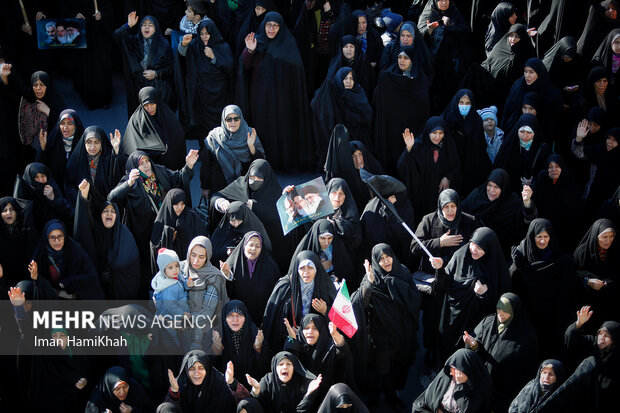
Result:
[{"x": 341, "y": 313}]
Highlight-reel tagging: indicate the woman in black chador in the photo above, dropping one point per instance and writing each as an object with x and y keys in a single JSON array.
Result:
[
  {"x": 154, "y": 129},
  {"x": 18, "y": 239},
  {"x": 272, "y": 93},
  {"x": 544, "y": 279},
  {"x": 463, "y": 385},
  {"x": 507, "y": 343},
  {"x": 147, "y": 60},
  {"x": 534, "y": 396}
]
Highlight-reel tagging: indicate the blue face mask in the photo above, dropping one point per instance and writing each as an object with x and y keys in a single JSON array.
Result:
[
  {"x": 526, "y": 145},
  {"x": 464, "y": 109}
]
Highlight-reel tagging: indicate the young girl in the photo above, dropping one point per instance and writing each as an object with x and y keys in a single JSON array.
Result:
[{"x": 168, "y": 292}]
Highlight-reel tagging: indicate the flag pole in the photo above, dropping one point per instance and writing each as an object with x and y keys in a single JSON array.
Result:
[{"x": 391, "y": 208}]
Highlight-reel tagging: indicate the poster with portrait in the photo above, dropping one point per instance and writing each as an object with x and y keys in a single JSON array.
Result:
[
  {"x": 61, "y": 33},
  {"x": 306, "y": 202}
]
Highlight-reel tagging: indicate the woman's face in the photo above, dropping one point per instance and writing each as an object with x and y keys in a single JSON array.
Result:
[
  {"x": 204, "y": 36},
  {"x": 436, "y": 136},
  {"x": 252, "y": 248},
  {"x": 529, "y": 75},
  {"x": 464, "y": 100},
  {"x": 145, "y": 166},
  {"x": 547, "y": 375},
  {"x": 60, "y": 338},
  {"x": 406, "y": 38},
  {"x": 443, "y": 5},
  {"x": 259, "y": 10},
  {"x": 362, "y": 24},
  {"x": 542, "y": 240},
  {"x": 502, "y": 315},
  {"x": 235, "y": 222},
  {"x": 325, "y": 241},
  {"x": 311, "y": 333},
  {"x": 554, "y": 170},
  {"x": 39, "y": 89},
  {"x": 9, "y": 215},
  {"x": 56, "y": 239},
  {"x": 611, "y": 12},
  {"x": 600, "y": 86},
  {"x": 605, "y": 239},
  {"x": 513, "y": 19},
  {"x": 120, "y": 390},
  {"x": 235, "y": 321},
  {"x": 615, "y": 46},
  {"x": 151, "y": 108},
  {"x": 197, "y": 373},
  {"x": 475, "y": 250},
  {"x": 147, "y": 29},
  {"x": 513, "y": 38},
  {"x": 272, "y": 28},
  {"x": 458, "y": 376},
  {"x": 307, "y": 273},
  {"x": 528, "y": 109},
  {"x": 198, "y": 257},
  {"x": 611, "y": 143},
  {"x": 233, "y": 122},
  {"x": 493, "y": 191},
  {"x": 348, "y": 51},
  {"x": 108, "y": 216},
  {"x": 67, "y": 128},
  {"x": 358, "y": 159},
  {"x": 285, "y": 370},
  {"x": 93, "y": 146},
  {"x": 41, "y": 178},
  {"x": 348, "y": 81},
  {"x": 178, "y": 208},
  {"x": 337, "y": 197},
  {"x": 525, "y": 136},
  {"x": 603, "y": 339},
  {"x": 404, "y": 63},
  {"x": 449, "y": 211},
  {"x": 385, "y": 262},
  {"x": 594, "y": 127}
]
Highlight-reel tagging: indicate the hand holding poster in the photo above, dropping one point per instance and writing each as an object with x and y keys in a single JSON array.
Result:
[
  {"x": 61, "y": 33},
  {"x": 303, "y": 203}
]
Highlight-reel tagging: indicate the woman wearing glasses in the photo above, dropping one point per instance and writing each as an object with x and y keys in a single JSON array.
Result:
[{"x": 229, "y": 150}]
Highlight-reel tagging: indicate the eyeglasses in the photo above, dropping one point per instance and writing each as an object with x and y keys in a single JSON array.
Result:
[
  {"x": 233, "y": 119},
  {"x": 272, "y": 26},
  {"x": 56, "y": 237}
]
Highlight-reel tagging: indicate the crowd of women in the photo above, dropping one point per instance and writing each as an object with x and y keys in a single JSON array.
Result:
[{"x": 490, "y": 129}]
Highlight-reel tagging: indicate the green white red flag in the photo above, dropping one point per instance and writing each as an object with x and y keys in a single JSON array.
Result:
[{"x": 342, "y": 314}]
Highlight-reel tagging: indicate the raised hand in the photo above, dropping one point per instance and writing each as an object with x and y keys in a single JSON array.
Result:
[
  {"x": 369, "y": 273},
  {"x": 230, "y": 372},
  {"x": 186, "y": 39},
  {"x": 582, "y": 130},
  {"x": 225, "y": 268},
  {"x": 252, "y": 140},
  {"x": 97, "y": 15},
  {"x": 526, "y": 195},
  {"x": 217, "y": 345},
  {"x": 336, "y": 336},
  {"x": 319, "y": 305},
  {"x": 191, "y": 158},
  {"x": 583, "y": 315},
  {"x": 132, "y": 19},
  {"x": 314, "y": 384},
  {"x": 115, "y": 140},
  {"x": 42, "y": 139},
  {"x": 469, "y": 340},
  {"x": 444, "y": 184},
  {"x": 258, "y": 341},
  {"x": 5, "y": 72},
  {"x": 17, "y": 296},
  {"x": 133, "y": 175},
  {"x": 174, "y": 384},
  {"x": 436, "y": 262},
  {"x": 33, "y": 269},
  {"x": 81, "y": 383},
  {"x": 42, "y": 107},
  {"x": 84, "y": 187},
  {"x": 80, "y": 16},
  {"x": 292, "y": 332},
  {"x": 409, "y": 139},
  {"x": 250, "y": 41},
  {"x": 1, "y": 271},
  {"x": 254, "y": 384},
  {"x": 26, "y": 28},
  {"x": 40, "y": 16}
]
